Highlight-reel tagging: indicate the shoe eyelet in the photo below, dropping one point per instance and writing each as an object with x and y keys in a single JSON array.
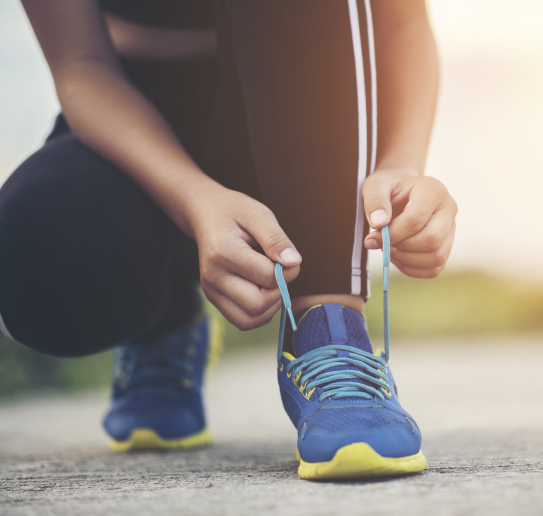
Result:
[
  {"x": 281, "y": 367},
  {"x": 309, "y": 393},
  {"x": 289, "y": 374}
]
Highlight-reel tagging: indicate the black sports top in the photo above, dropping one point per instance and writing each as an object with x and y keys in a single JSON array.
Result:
[{"x": 168, "y": 14}]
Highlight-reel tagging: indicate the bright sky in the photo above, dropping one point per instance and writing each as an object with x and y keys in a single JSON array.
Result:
[{"x": 488, "y": 140}]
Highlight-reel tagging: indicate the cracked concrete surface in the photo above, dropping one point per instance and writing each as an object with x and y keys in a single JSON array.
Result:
[{"x": 478, "y": 404}]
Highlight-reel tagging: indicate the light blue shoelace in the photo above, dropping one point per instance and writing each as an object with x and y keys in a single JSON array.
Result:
[{"x": 362, "y": 374}]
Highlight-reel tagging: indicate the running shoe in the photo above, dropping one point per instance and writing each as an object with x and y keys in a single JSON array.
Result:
[
  {"x": 340, "y": 395},
  {"x": 157, "y": 389}
]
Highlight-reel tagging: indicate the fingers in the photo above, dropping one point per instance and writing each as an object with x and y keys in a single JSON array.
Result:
[
  {"x": 241, "y": 282},
  {"x": 433, "y": 235},
  {"x": 247, "y": 296},
  {"x": 237, "y": 315},
  {"x": 265, "y": 229},
  {"x": 421, "y": 273},
  {"x": 422, "y": 231},
  {"x": 238, "y": 280},
  {"x": 430, "y": 239},
  {"x": 434, "y": 259},
  {"x": 244, "y": 261},
  {"x": 422, "y": 234},
  {"x": 374, "y": 240},
  {"x": 376, "y": 192},
  {"x": 425, "y": 198},
  {"x": 240, "y": 300},
  {"x": 432, "y": 254}
]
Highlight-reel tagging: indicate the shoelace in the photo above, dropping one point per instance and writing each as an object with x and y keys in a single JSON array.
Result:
[
  {"x": 155, "y": 370},
  {"x": 365, "y": 376}
]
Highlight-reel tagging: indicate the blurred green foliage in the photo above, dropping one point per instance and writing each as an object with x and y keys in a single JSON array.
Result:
[
  {"x": 455, "y": 304},
  {"x": 22, "y": 369}
]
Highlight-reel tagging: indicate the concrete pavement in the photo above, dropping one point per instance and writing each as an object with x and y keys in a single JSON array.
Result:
[{"x": 478, "y": 404}]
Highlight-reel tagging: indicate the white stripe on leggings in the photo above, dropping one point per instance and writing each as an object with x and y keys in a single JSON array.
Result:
[{"x": 356, "y": 261}]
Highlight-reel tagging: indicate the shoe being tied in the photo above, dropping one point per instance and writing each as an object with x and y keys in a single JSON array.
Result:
[
  {"x": 341, "y": 396},
  {"x": 157, "y": 389}
]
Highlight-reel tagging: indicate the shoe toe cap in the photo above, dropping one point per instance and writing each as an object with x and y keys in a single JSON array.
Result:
[
  {"x": 389, "y": 433},
  {"x": 167, "y": 419}
]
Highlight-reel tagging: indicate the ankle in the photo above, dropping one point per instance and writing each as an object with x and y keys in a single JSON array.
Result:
[{"x": 346, "y": 300}]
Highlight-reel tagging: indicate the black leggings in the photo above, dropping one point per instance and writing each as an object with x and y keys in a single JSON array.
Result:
[{"x": 285, "y": 114}]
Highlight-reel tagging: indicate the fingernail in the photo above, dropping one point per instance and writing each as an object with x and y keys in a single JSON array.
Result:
[
  {"x": 372, "y": 244},
  {"x": 290, "y": 255},
  {"x": 377, "y": 218}
]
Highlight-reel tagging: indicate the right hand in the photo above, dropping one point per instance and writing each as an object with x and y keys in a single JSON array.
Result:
[{"x": 238, "y": 280}]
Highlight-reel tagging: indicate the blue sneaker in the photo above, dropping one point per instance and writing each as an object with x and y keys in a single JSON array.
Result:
[
  {"x": 157, "y": 389},
  {"x": 341, "y": 396}
]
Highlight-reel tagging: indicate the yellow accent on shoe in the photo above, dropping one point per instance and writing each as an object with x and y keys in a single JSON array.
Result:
[
  {"x": 360, "y": 460},
  {"x": 309, "y": 310},
  {"x": 308, "y": 394},
  {"x": 145, "y": 438},
  {"x": 288, "y": 356},
  {"x": 378, "y": 353},
  {"x": 292, "y": 342}
]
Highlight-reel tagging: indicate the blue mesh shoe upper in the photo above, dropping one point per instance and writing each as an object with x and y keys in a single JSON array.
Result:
[
  {"x": 158, "y": 385},
  {"x": 325, "y": 338},
  {"x": 345, "y": 417},
  {"x": 337, "y": 392}
]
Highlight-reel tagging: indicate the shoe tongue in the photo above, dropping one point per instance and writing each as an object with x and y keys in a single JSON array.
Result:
[{"x": 328, "y": 324}]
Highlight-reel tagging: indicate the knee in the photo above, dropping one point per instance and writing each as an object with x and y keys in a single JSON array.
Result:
[{"x": 85, "y": 253}]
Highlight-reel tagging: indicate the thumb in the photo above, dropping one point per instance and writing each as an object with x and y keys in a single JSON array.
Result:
[
  {"x": 376, "y": 192},
  {"x": 273, "y": 240}
]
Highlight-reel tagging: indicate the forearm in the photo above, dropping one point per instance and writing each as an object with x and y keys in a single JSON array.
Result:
[
  {"x": 115, "y": 120},
  {"x": 407, "y": 78}
]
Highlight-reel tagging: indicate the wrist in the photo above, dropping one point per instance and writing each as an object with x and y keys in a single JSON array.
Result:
[
  {"x": 197, "y": 200},
  {"x": 400, "y": 167}
]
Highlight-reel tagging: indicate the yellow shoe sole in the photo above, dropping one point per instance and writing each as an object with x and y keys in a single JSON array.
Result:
[
  {"x": 147, "y": 439},
  {"x": 360, "y": 460}
]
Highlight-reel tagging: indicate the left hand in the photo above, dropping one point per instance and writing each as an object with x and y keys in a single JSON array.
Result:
[{"x": 420, "y": 213}]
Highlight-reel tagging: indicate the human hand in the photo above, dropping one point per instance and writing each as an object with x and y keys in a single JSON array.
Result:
[
  {"x": 238, "y": 280},
  {"x": 420, "y": 213}
]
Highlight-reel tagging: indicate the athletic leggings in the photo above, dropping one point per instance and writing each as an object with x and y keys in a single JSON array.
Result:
[{"x": 285, "y": 113}]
